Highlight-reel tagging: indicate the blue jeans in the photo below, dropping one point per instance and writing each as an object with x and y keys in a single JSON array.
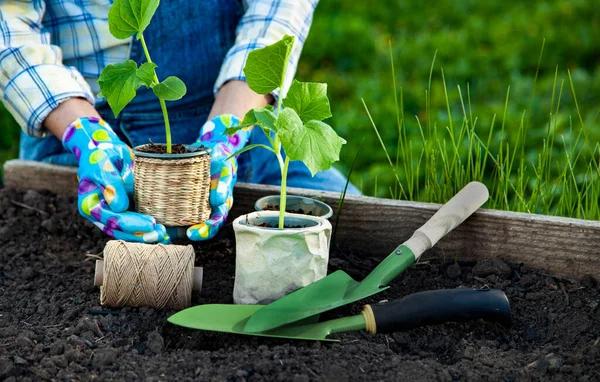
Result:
[{"x": 188, "y": 39}]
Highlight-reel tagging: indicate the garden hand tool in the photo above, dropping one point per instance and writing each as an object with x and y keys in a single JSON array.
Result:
[
  {"x": 339, "y": 288},
  {"x": 223, "y": 171},
  {"x": 106, "y": 182},
  {"x": 415, "y": 310}
]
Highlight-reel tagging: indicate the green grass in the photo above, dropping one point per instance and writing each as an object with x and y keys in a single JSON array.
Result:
[
  {"x": 561, "y": 177},
  {"x": 9, "y": 137},
  {"x": 490, "y": 108}
]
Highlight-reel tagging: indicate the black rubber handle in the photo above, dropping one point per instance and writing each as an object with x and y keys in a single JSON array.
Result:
[{"x": 439, "y": 306}]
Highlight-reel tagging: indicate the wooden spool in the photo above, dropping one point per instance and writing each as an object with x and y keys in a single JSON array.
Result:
[
  {"x": 158, "y": 276},
  {"x": 196, "y": 286}
]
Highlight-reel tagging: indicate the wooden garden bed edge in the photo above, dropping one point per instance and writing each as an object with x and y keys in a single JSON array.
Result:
[{"x": 374, "y": 227}]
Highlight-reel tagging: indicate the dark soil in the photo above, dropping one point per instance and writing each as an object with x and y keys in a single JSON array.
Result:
[
  {"x": 51, "y": 326},
  {"x": 267, "y": 225},
  {"x": 298, "y": 211},
  {"x": 162, "y": 149}
]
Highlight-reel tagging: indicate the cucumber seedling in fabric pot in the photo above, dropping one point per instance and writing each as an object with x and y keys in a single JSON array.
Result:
[
  {"x": 172, "y": 182},
  {"x": 279, "y": 252}
]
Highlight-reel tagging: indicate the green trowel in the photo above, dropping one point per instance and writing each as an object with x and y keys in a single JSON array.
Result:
[
  {"x": 418, "y": 309},
  {"x": 339, "y": 288}
]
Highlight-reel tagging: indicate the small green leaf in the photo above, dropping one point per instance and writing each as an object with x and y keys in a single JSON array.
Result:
[
  {"x": 171, "y": 89},
  {"x": 262, "y": 116},
  {"x": 265, "y": 67},
  {"x": 309, "y": 99},
  {"x": 266, "y": 118},
  {"x": 249, "y": 119},
  {"x": 314, "y": 143},
  {"x": 119, "y": 82},
  {"x": 288, "y": 122},
  {"x": 146, "y": 73},
  {"x": 248, "y": 148},
  {"x": 128, "y": 17},
  {"x": 235, "y": 129}
]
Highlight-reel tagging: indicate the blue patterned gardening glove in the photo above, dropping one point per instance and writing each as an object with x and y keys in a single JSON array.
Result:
[
  {"x": 106, "y": 182},
  {"x": 223, "y": 172}
]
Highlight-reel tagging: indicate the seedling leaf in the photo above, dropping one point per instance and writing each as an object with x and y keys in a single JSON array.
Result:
[
  {"x": 249, "y": 118},
  {"x": 171, "y": 89},
  {"x": 262, "y": 116},
  {"x": 129, "y": 17},
  {"x": 288, "y": 124},
  {"x": 266, "y": 118},
  {"x": 235, "y": 129},
  {"x": 146, "y": 73},
  {"x": 119, "y": 82},
  {"x": 309, "y": 99},
  {"x": 265, "y": 67},
  {"x": 314, "y": 143}
]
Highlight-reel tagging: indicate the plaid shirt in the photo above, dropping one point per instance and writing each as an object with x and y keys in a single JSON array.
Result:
[{"x": 53, "y": 50}]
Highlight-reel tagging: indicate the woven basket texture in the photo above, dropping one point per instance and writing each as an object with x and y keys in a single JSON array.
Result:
[{"x": 174, "y": 191}]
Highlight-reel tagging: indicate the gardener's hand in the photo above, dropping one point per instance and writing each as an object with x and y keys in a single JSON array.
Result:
[
  {"x": 106, "y": 182},
  {"x": 223, "y": 171}
]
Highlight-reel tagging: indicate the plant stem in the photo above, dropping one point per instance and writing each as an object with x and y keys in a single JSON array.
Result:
[
  {"x": 284, "y": 167},
  {"x": 163, "y": 105},
  {"x": 282, "y": 197},
  {"x": 277, "y": 146}
]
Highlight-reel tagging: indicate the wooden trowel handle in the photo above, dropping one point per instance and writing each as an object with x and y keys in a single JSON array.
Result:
[
  {"x": 448, "y": 217},
  {"x": 99, "y": 276}
]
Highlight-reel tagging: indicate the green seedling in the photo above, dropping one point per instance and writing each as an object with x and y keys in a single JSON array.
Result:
[
  {"x": 297, "y": 128},
  {"x": 119, "y": 82}
]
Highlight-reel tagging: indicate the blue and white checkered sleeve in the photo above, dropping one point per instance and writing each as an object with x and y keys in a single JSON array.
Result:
[
  {"x": 33, "y": 80},
  {"x": 266, "y": 22}
]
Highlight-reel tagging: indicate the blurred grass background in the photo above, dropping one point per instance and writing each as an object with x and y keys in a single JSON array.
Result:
[
  {"x": 489, "y": 45},
  {"x": 9, "y": 137}
]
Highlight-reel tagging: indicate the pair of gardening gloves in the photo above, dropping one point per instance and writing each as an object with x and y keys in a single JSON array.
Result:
[{"x": 106, "y": 179}]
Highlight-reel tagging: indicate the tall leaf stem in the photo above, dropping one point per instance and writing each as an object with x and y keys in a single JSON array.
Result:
[
  {"x": 163, "y": 105},
  {"x": 277, "y": 146},
  {"x": 282, "y": 197}
]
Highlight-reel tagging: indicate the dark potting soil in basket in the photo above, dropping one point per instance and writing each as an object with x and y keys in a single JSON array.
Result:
[
  {"x": 162, "y": 149},
  {"x": 52, "y": 327}
]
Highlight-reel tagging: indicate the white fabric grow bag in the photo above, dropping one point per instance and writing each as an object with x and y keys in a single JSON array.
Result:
[{"x": 271, "y": 263}]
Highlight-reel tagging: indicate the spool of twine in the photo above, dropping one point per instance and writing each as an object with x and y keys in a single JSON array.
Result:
[
  {"x": 174, "y": 191},
  {"x": 157, "y": 276}
]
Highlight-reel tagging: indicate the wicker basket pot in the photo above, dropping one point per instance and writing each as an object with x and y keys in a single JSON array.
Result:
[{"x": 174, "y": 188}]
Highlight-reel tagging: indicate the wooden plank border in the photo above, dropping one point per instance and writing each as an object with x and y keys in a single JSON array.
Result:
[{"x": 562, "y": 246}]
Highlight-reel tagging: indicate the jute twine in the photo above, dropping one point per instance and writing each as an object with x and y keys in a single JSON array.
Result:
[
  {"x": 174, "y": 191},
  {"x": 157, "y": 276}
]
